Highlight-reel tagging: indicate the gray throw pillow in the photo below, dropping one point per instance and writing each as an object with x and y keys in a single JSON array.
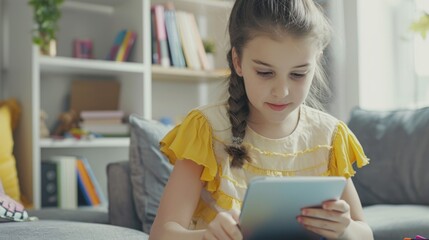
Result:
[
  {"x": 397, "y": 143},
  {"x": 150, "y": 169}
]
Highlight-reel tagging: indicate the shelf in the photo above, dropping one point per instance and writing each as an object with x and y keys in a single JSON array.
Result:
[
  {"x": 227, "y": 4},
  {"x": 74, "y": 143},
  {"x": 187, "y": 75},
  {"x": 87, "y": 66},
  {"x": 94, "y": 7}
]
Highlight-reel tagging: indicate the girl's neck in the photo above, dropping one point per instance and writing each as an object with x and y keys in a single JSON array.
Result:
[{"x": 277, "y": 130}]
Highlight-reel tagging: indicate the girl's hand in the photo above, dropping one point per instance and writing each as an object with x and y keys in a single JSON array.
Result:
[
  {"x": 224, "y": 226},
  {"x": 330, "y": 221}
]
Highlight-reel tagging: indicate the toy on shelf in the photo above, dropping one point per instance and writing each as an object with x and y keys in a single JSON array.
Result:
[
  {"x": 66, "y": 122},
  {"x": 44, "y": 131}
]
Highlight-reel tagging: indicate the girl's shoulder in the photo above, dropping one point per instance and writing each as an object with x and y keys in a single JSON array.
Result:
[
  {"x": 217, "y": 115},
  {"x": 315, "y": 118}
]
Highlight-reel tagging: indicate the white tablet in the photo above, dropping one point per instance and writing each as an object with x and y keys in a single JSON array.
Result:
[{"x": 271, "y": 205}]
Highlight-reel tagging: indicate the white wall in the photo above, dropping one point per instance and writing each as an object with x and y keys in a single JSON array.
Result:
[
  {"x": 344, "y": 63},
  {"x": 385, "y": 54}
]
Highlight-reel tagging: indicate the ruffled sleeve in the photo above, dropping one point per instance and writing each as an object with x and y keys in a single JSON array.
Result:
[
  {"x": 346, "y": 151},
  {"x": 192, "y": 140}
]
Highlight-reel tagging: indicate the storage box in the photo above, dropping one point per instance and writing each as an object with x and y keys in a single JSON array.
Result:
[{"x": 87, "y": 95}]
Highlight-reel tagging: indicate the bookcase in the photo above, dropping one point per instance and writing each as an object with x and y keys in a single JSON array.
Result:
[{"x": 42, "y": 82}]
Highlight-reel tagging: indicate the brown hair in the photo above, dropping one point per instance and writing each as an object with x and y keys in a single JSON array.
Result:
[{"x": 275, "y": 18}]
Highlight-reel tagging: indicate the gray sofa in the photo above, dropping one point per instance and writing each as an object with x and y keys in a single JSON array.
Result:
[
  {"x": 120, "y": 222},
  {"x": 393, "y": 188}
]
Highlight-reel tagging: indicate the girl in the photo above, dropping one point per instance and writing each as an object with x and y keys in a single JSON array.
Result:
[{"x": 265, "y": 128}]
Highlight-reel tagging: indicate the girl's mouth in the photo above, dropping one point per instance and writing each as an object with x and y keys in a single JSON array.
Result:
[{"x": 277, "y": 107}]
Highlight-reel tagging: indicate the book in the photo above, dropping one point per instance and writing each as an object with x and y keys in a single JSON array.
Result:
[
  {"x": 67, "y": 181},
  {"x": 126, "y": 46},
  {"x": 101, "y": 114},
  {"x": 106, "y": 129},
  {"x": 96, "y": 184},
  {"x": 49, "y": 188},
  {"x": 174, "y": 43},
  {"x": 202, "y": 55},
  {"x": 130, "y": 46},
  {"x": 101, "y": 121},
  {"x": 116, "y": 45},
  {"x": 155, "y": 47},
  {"x": 188, "y": 43},
  {"x": 161, "y": 35},
  {"x": 86, "y": 184}
]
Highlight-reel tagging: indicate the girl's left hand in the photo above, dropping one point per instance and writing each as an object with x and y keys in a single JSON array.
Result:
[{"x": 330, "y": 221}]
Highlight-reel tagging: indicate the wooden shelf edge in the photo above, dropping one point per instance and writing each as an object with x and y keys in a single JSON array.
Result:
[{"x": 187, "y": 75}]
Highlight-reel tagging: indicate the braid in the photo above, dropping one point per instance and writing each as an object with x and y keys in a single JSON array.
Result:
[{"x": 238, "y": 112}]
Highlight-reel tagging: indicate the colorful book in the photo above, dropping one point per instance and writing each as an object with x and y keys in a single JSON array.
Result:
[
  {"x": 126, "y": 46},
  {"x": 96, "y": 184},
  {"x": 86, "y": 184},
  {"x": 116, "y": 45},
  {"x": 130, "y": 45},
  {"x": 161, "y": 35}
]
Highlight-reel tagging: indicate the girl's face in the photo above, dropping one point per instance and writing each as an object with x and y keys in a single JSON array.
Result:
[{"x": 277, "y": 76}]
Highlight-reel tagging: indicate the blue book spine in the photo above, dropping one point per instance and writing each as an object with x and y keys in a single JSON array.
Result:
[{"x": 94, "y": 180}]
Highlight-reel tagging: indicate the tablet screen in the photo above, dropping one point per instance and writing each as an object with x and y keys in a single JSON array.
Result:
[{"x": 271, "y": 205}]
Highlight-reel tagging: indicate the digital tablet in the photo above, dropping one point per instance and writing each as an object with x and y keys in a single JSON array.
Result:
[{"x": 271, "y": 205}]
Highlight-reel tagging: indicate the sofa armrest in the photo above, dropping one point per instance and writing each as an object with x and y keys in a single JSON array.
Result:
[{"x": 121, "y": 202}]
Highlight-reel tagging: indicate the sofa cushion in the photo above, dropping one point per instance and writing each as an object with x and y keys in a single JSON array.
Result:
[
  {"x": 150, "y": 169},
  {"x": 397, "y": 221},
  {"x": 9, "y": 113},
  {"x": 122, "y": 210},
  {"x": 397, "y": 143},
  {"x": 66, "y": 230}
]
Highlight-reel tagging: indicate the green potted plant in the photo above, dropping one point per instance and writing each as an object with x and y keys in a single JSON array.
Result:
[
  {"x": 421, "y": 25},
  {"x": 210, "y": 49},
  {"x": 46, "y": 16}
]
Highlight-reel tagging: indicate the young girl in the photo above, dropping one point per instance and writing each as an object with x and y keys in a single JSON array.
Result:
[{"x": 265, "y": 128}]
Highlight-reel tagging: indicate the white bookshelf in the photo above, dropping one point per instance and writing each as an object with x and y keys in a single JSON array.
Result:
[{"x": 42, "y": 82}]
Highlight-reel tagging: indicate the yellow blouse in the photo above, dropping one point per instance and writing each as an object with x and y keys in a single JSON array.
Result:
[{"x": 321, "y": 145}]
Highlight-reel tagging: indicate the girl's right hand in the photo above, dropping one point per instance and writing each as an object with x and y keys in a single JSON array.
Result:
[{"x": 224, "y": 226}]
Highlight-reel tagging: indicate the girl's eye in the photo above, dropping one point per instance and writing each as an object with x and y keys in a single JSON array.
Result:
[
  {"x": 264, "y": 74},
  {"x": 297, "y": 76}
]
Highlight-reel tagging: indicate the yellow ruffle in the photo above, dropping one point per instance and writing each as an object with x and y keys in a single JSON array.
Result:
[
  {"x": 346, "y": 150},
  {"x": 192, "y": 140}
]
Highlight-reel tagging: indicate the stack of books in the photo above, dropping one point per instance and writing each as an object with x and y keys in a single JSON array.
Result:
[
  {"x": 69, "y": 182},
  {"x": 104, "y": 123},
  {"x": 176, "y": 40},
  {"x": 122, "y": 46}
]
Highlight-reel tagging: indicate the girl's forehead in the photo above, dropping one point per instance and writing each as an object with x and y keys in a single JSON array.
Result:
[{"x": 263, "y": 46}]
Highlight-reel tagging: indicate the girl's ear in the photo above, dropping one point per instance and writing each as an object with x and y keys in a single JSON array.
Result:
[{"x": 236, "y": 62}]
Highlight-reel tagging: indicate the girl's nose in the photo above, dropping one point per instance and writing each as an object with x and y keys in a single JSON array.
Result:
[{"x": 281, "y": 89}]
